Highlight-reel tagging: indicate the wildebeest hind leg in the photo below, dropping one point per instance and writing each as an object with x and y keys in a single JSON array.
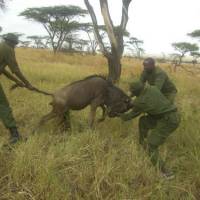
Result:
[
  {"x": 64, "y": 121},
  {"x": 44, "y": 119}
]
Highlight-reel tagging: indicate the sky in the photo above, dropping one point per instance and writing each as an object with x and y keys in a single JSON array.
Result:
[{"x": 157, "y": 22}]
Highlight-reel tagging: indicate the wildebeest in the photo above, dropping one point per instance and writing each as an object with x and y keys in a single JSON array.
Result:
[{"x": 95, "y": 91}]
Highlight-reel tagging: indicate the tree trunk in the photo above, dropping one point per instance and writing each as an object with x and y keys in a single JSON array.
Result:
[
  {"x": 114, "y": 68},
  {"x": 180, "y": 60},
  {"x": 115, "y": 35}
]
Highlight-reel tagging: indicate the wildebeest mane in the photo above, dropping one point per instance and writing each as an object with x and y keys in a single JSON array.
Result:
[{"x": 94, "y": 76}]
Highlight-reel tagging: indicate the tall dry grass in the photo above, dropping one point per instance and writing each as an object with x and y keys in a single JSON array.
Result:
[{"x": 106, "y": 163}]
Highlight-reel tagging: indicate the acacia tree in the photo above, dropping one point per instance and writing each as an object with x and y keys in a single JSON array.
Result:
[
  {"x": 115, "y": 35},
  {"x": 195, "y": 56},
  {"x": 135, "y": 45},
  {"x": 89, "y": 30},
  {"x": 25, "y": 44},
  {"x": 81, "y": 44},
  {"x": 15, "y": 33},
  {"x": 195, "y": 34},
  {"x": 69, "y": 42},
  {"x": 39, "y": 41},
  {"x": 58, "y": 21},
  {"x": 183, "y": 48}
]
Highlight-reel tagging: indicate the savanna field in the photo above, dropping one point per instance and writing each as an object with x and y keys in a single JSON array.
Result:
[{"x": 106, "y": 163}]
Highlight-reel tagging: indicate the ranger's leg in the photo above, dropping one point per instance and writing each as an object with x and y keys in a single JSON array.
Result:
[
  {"x": 165, "y": 126},
  {"x": 145, "y": 124},
  {"x": 7, "y": 117}
]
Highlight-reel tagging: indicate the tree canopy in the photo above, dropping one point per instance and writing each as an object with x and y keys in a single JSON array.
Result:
[
  {"x": 39, "y": 41},
  {"x": 195, "y": 34},
  {"x": 134, "y": 44},
  {"x": 59, "y": 21},
  {"x": 185, "y": 47}
]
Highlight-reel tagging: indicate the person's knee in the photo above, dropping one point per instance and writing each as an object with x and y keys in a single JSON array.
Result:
[
  {"x": 7, "y": 117},
  {"x": 155, "y": 140},
  {"x": 5, "y": 111}
]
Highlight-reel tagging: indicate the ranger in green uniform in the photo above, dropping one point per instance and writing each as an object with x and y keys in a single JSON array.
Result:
[
  {"x": 160, "y": 121},
  {"x": 156, "y": 76},
  {"x": 7, "y": 58}
]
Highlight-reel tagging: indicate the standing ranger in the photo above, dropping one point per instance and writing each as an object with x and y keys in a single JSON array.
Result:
[
  {"x": 7, "y": 58},
  {"x": 156, "y": 76},
  {"x": 160, "y": 121}
]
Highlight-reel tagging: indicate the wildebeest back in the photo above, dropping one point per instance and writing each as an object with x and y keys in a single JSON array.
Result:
[{"x": 79, "y": 94}]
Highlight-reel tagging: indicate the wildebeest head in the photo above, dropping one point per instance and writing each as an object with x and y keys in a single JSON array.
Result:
[{"x": 118, "y": 101}]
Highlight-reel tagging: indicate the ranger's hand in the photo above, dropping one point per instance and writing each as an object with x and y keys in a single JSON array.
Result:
[{"x": 19, "y": 84}]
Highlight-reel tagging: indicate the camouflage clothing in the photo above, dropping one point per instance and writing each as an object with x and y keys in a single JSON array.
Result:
[
  {"x": 7, "y": 58},
  {"x": 5, "y": 111},
  {"x": 162, "y": 119},
  {"x": 160, "y": 79}
]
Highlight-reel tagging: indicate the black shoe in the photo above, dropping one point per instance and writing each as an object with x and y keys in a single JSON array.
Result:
[
  {"x": 14, "y": 135},
  {"x": 167, "y": 174}
]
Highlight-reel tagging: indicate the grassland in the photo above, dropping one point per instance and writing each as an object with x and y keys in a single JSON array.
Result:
[{"x": 106, "y": 163}]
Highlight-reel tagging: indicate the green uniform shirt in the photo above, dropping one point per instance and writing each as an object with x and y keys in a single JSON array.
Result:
[
  {"x": 7, "y": 58},
  {"x": 160, "y": 79},
  {"x": 150, "y": 101}
]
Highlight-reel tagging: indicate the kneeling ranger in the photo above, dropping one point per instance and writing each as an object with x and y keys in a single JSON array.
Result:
[
  {"x": 160, "y": 121},
  {"x": 7, "y": 58}
]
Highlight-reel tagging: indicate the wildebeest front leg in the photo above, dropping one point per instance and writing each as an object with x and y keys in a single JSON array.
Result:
[
  {"x": 92, "y": 115},
  {"x": 104, "y": 114}
]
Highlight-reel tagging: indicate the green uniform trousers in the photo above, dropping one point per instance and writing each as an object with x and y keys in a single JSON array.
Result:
[
  {"x": 6, "y": 115},
  {"x": 156, "y": 130}
]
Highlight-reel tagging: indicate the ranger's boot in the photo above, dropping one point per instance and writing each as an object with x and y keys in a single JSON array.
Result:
[{"x": 14, "y": 135}]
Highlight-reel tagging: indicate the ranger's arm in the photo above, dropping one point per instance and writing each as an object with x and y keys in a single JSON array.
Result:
[
  {"x": 12, "y": 78},
  {"x": 130, "y": 115},
  {"x": 12, "y": 63}
]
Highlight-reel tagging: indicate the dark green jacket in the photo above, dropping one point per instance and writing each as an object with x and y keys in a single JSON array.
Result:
[
  {"x": 7, "y": 58},
  {"x": 150, "y": 101},
  {"x": 160, "y": 79}
]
